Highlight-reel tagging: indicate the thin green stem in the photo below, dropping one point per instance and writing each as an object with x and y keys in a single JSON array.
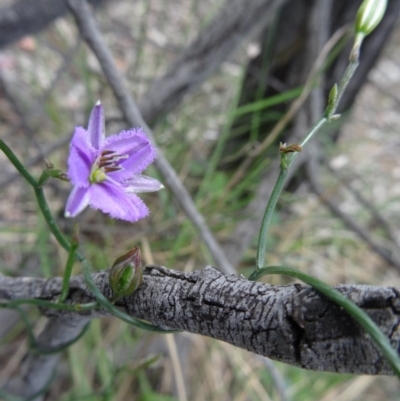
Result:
[
  {"x": 106, "y": 304},
  {"x": 50, "y": 219},
  {"x": 38, "y": 349},
  {"x": 17, "y": 164},
  {"x": 43, "y": 178},
  {"x": 48, "y": 305},
  {"x": 348, "y": 74},
  {"x": 68, "y": 270},
  {"x": 276, "y": 192},
  {"x": 266, "y": 221},
  {"x": 38, "y": 193},
  {"x": 317, "y": 127},
  {"x": 358, "y": 314},
  {"x": 100, "y": 298},
  {"x": 287, "y": 161},
  {"x": 87, "y": 306}
]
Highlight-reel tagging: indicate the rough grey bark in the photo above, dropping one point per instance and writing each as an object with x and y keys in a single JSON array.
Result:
[
  {"x": 180, "y": 89},
  {"x": 293, "y": 324}
]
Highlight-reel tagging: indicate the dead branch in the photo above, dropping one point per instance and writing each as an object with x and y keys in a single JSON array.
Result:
[
  {"x": 234, "y": 22},
  {"x": 293, "y": 324},
  {"x": 27, "y": 17}
]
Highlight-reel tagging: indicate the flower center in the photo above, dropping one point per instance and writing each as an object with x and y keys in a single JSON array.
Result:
[{"x": 107, "y": 162}]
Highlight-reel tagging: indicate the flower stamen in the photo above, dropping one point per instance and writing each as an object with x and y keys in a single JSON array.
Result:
[
  {"x": 107, "y": 162},
  {"x": 112, "y": 168}
]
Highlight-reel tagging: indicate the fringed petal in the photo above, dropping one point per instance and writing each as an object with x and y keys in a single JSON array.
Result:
[
  {"x": 141, "y": 183},
  {"x": 113, "y": 200}
]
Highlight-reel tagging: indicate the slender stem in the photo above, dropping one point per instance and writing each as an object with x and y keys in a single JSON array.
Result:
[
  {"x": 358, "y": 314},
  {"x": 105, "y": 303},
  {"x": 276, "y": 192},
  {"x": 88, "y": 306},
  {"x": 266, "y": 221},
  {"x": 38, "y": 193},
  {"x": 73, "y": 253},
  {"x": 317, "y": 127},
  {"x": 34, "y": 346},
  {"x": 260, "y": 259},
  {"x": 348, "y": 74},
  {"x": 68, "y": 267},
  {"x": 50, "y": 219},
  {"x": 43, "y": 178},
  {"x": 96, "y": 42},
  {"x": 47, "y": 304},
  {"x": 17, "y": 164},
  {"x": 39, "y": 350}
]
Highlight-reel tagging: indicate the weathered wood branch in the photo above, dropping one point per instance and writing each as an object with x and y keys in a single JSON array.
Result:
[
  {"x": 27, "y": 17},
  {"x": 233, "y": 23},
  {"x": 293, "y": 324},
  {"x": 94, "y": 38}
]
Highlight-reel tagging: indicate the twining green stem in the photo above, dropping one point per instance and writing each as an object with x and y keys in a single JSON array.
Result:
[
  {"x": 348, "y": 74},
  {"x": 100, "y": 298},
  {"x": 287, "y": 160},
  {"x": 34, "y": 346},
  {"x": 44, "y": 208},
  {"x": 276, "y": 192},
  {"x": 317, "y": 127},
  {"x": 358, "y": 314},
  {"x": 43, "y": 178},
  {"x": 17, "y": 164},
  {"x": 68, "y": 267},
  {"x": 38, "y": 193},
  {"x": 105, "y": 303},
  {"x": 48, "y": 304},
  {"x": 266, "y": 221}
]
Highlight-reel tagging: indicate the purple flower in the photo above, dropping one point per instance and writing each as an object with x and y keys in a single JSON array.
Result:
[{"x": 105, "y": 172}]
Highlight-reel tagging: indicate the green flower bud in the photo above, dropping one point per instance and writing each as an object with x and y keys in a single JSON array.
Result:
[
  {"x": 126, "y": 274},
  {"x": 369, "y": 15}
]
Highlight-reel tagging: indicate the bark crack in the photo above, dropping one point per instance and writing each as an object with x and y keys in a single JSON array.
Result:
[{"x": 293, "y": 323}]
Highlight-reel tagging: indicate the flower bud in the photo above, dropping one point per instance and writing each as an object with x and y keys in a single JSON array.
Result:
[
  {"x": 369, "y": 15},
  {"x": 126, "y": 274}
]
